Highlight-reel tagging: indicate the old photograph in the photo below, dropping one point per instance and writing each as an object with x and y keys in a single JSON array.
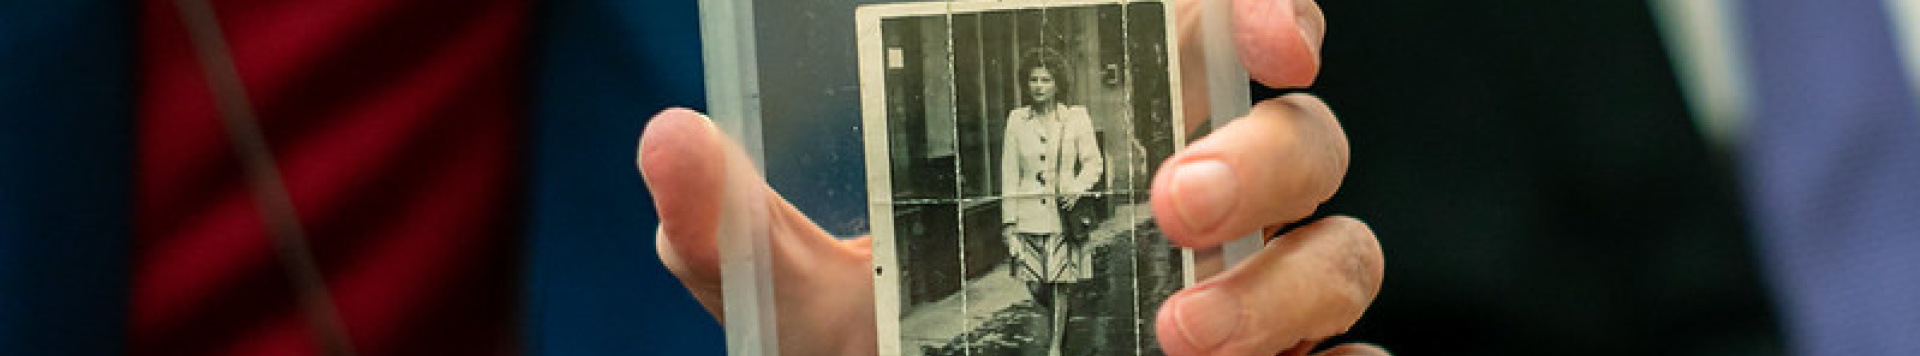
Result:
[{"x": 1010, "y": 146}]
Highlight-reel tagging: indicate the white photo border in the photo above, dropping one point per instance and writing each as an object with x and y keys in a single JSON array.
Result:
[{"x": 873, "y": 99}]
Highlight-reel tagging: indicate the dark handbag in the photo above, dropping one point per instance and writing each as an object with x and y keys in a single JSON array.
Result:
[{"x": 1078, "y": 223}]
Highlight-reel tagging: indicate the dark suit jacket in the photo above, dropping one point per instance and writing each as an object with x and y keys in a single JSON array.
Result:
[{"x": 1538, "y": 186}]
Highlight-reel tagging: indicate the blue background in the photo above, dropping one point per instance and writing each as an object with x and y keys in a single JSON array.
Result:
[{"x": 603, "y": 68}]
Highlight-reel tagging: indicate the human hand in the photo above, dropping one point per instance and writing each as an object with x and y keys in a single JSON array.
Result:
[
  {"x": 1287, "y": 156},
  {"x": 1256, "y": 174},
  {"x": 1270, "y": 168}
]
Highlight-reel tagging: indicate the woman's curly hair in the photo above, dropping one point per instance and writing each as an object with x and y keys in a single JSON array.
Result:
[{"x": 1055, "y": 64}]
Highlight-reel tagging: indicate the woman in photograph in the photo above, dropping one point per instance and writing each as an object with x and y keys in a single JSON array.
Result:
[{"x": 1049, "y": 160}]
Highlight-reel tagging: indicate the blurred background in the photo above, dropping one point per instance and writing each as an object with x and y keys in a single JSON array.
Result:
[
  {"x": 1539, "y": 183},
  {"x": 1672, "y": 177}
]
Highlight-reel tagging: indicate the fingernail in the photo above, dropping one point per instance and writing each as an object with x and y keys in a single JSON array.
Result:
[
  {"x": 1308, "y": 25},
  {"x": 1205, "y": 193},
  {"x": 1206, "y": 318}
]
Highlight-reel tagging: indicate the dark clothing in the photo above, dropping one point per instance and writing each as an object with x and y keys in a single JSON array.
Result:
[{"x": 1537, "y": 184}]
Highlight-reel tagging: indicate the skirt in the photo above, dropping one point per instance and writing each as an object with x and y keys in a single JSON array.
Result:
[{"x": 1049, "y": 258}]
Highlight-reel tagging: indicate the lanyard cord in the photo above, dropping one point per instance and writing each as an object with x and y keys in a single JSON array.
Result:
[{"x": 263, "y": 177}]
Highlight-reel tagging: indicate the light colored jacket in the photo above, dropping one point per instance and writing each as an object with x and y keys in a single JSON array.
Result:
[{"x": 1032, "y": 173}]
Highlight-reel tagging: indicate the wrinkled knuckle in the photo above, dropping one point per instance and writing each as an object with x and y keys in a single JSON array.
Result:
[
  {"x": 1353, "y": 264},
  {"x": 1320, "y": 118},
  {"x": 1365, "y": 261},
  {"x": 1322, "y": 141}
]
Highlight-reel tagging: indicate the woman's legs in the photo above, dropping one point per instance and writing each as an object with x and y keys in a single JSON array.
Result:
[
  {"x": 1041, "y": 329},
  {"x": 1042, "y": 293},
  {"x": 1062, "y": 297},
  {"x": 1053, "y": 289}
]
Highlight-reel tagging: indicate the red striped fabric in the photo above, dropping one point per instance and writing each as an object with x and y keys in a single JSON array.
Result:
[{"x": 396, "y": 125}]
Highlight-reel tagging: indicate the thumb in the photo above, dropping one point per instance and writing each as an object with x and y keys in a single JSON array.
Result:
[
  {"x": 685, "y": 163},
  {"x": 710, "y": 198}
]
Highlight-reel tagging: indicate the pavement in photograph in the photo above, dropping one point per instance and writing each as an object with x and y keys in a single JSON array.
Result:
[{"x": 1000, "y": 312}]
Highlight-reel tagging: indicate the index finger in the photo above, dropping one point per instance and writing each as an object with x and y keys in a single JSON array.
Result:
[{"x": 1312, "y": 284}]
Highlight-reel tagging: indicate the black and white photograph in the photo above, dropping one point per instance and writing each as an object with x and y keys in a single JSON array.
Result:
[{"x": 1010, "y": 147}]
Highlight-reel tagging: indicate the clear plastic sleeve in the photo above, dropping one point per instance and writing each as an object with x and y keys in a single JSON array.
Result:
[{"x": 809, "y": 87}]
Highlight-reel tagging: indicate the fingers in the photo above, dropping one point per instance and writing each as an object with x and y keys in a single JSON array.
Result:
[
  {"x": 1273, "y": 166},
  {"x": 683, "y": 161},
  {"x": 1279, "y": 40},
  {"x": 1311, "y": 284},
  {"x": 1278, "y": 164}
]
